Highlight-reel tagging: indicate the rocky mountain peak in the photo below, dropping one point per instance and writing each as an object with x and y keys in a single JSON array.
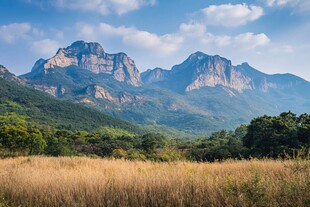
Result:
[
  {"x": 7, "y": 75},
  {"x": 3, "y": 69},
  {"x": 81, "y": 47},
  {"x": 37, "y": 65},
  {"x": 201, "y": 70},
  {"x": 214, "y": 71},
  {"x": 200, "y": 56},
  {"x": 197, "y": 71},
  {"x": 197, "y": 56},
  {"x": 155, "y": 75},
  {"x": 91, "y": 56}
]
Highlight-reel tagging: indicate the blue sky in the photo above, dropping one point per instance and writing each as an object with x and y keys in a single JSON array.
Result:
[{"x": 271, "y": 35}]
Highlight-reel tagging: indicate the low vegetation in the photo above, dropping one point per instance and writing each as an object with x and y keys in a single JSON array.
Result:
[
  {"x": 266, "y": 136},
  {"x": 80, "y": 181}
]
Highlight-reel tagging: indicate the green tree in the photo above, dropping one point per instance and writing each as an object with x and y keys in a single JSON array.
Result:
[
  {"x": 152, "y": 141},
  {"x": 304, "y": 129},
  {"x": 272, "y": 135},
  {"x": 60, "y": 143},
  {"x": 35, "y": 141},
  {"x": 16, "y": 135}
]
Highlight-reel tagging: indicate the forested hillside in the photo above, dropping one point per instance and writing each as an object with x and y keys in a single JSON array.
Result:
[{"x": 44, "y": 109}]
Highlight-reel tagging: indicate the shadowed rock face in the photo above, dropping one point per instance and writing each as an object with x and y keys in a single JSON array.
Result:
[
  {"x": 91, "y": 56},
  {"x": 155, "y": 75}
]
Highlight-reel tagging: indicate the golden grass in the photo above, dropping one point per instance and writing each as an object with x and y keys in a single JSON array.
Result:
[{"x": 76, "y": 181}]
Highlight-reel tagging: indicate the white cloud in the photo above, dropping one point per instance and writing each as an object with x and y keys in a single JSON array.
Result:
[
  {"x": 150, "y": 42},
  {"x": 190, "y": 35},
  {"x": 46, "y": 47},
  {"x": 250, "y": 41},
  {"x": 231, "y": 15},
  {"x": 124, "y": 6},
  {"x": 103, "y": 7},
  {"x": 300, "y": 6},
  {"x": 192, "y": 29},
  {"x": 245, "y": 41},
  {"x": 10, "y": 32},
  {"x": 277, "y": 2}
]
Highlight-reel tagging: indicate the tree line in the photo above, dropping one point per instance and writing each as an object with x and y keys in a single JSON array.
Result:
[{"x": 265, "y": 136}]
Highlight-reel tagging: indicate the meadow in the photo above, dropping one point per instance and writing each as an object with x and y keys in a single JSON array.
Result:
[{"x": 82, "y": 181}]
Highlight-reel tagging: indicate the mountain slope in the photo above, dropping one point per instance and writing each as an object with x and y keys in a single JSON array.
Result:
[
  {"x": 7, "y": 75},
  {"x": 44, "y": 109}
]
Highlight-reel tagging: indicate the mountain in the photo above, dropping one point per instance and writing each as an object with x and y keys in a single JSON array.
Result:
[
  {"x": 44, "y": 109},
  {"x": 201, "y": 70},
  {"x": 155, "y": 75},
  {"x": 200, "y": 95},
  {"x": 265, "y": 82},
  {"x": 91, "y": 57}
]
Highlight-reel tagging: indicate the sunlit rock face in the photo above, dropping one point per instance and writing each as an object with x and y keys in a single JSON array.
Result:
[{"x": 92, "y": 57}]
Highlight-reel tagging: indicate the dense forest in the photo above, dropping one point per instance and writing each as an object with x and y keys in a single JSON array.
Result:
[{"x": 265, "y": 136}]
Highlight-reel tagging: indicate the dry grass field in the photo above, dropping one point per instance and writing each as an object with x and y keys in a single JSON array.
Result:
[{"x": 76, "y": 181}]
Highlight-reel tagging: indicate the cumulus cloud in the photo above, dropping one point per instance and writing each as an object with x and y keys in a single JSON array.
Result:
[
  {"x": 250, "y": 41},
  {"x": 165, "y": 44},
  {"x": 244, "y": 41},
  {"x": 191, "y": 34},
  {"x": 302, "y": 6},
  {"x": 229, "y": 15},
  {"x": 277, "y": 2},
  {"x": 45, "y": 47},
  {"x": 193, "y": 29},
  {"x": 103, "y": 7},
  {"x": 11, "y": 32}
]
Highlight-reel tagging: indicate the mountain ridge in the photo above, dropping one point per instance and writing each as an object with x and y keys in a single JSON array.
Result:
[
  {"x": 202, "y": 94},
  {"x": 202, "y": 70}
]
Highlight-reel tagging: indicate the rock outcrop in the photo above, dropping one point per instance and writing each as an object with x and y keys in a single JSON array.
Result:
[
  {"x": 56, "y": 91},
  {"x": 99, "y": 93}
]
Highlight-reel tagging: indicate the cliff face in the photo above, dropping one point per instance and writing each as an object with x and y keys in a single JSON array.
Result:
[
  {"x": 92, "y": 57},
  {"x": 200, "y": 70},
  {"x": 212, "y": 71},
  {"x": 99, "y": 93}
]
